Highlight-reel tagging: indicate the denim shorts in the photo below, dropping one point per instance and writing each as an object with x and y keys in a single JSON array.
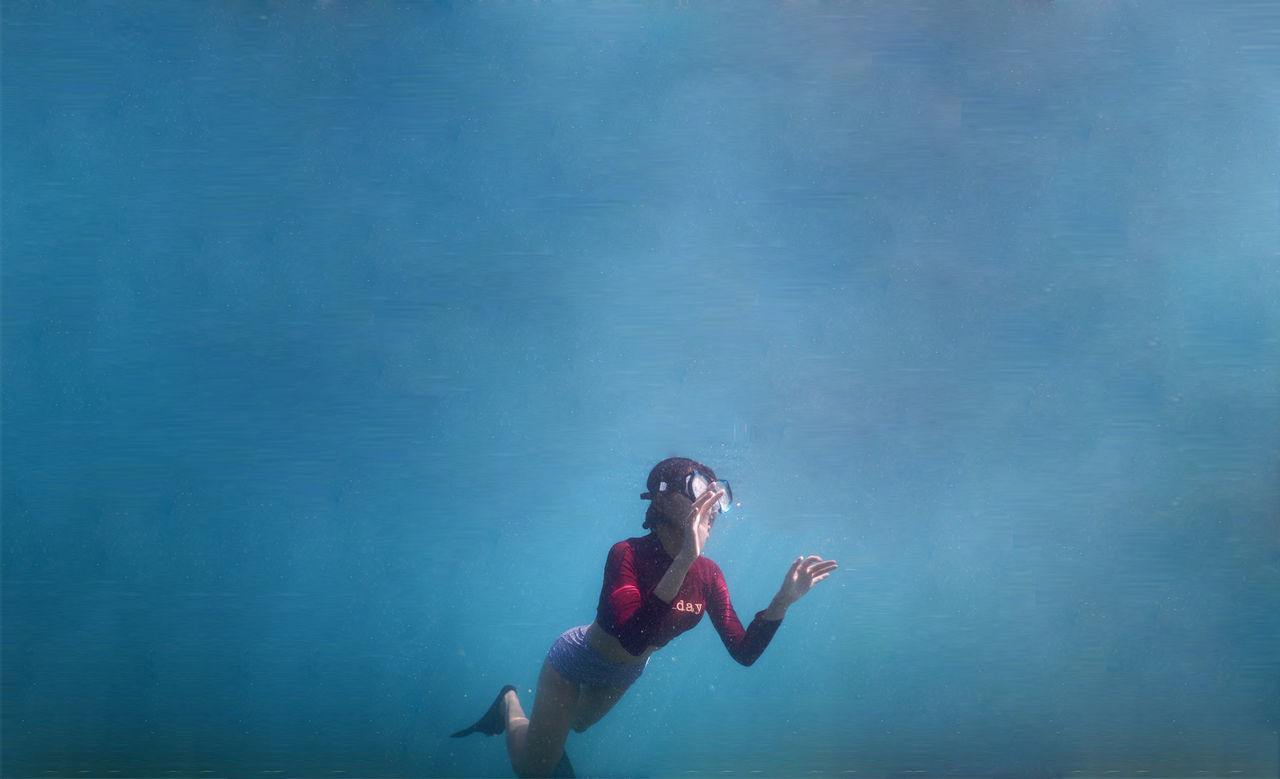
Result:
[{"x": 576, "y": 661}]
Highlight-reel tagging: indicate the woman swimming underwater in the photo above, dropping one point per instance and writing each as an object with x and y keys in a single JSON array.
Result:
[{"x": 655, "y": 588}]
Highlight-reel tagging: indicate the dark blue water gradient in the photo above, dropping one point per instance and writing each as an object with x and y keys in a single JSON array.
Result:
[{"x": 339, "y": 338}]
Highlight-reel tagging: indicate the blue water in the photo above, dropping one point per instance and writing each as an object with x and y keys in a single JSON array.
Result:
[{"x": 339, "y": 338}]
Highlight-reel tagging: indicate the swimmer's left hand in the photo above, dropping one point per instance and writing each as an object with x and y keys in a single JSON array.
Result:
[{"x": 801, "y": 576}]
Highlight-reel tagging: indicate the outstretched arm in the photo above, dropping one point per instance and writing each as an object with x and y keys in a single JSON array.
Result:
[
  {"x": 746, "y": 646},
  {"x": 801, "y": 576}
]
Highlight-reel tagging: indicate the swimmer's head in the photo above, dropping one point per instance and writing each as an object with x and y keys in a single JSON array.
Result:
[{"x": 683, "y": 476}]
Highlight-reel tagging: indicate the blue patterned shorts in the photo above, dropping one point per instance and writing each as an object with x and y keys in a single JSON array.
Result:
[{"x": 576, "y": 661}]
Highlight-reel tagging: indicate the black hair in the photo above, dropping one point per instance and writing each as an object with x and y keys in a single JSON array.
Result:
[
  {"x": 652, "y": 517},
  {"x": 669, "y": 470}
]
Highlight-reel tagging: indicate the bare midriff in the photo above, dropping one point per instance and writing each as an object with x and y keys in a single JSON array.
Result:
[{"x": 610, "y": 649}]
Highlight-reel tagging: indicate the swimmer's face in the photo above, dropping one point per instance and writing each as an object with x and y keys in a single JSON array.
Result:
[{"x": 675, "y": 509}]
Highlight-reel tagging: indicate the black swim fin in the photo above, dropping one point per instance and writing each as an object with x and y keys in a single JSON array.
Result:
[
  {"x": 494, "y": 720},
  {"x": 563, "y": 769}
]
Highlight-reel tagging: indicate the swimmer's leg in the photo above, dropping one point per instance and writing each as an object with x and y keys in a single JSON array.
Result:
[
  {"x": 536, "y": 744},
  {"x": 594, "y": 703}
]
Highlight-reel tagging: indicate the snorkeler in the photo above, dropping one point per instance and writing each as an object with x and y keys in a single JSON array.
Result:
[{"x": 655, "y": 588}]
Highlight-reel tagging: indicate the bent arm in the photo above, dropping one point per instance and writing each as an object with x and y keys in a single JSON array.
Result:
[
  {"x": 671, "y": 582},
  {"x": 801, "y": 576},
  {"x": 634, "y": 614},
  {"x": 626, "y": 611}
]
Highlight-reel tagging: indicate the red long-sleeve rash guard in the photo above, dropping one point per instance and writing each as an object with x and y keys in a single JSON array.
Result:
[{"x": 631, "y": 613}]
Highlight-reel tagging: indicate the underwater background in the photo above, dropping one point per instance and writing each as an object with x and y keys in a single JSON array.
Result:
[{"x": 340, "y": 337}]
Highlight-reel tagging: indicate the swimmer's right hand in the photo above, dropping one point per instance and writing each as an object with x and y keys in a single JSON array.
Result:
[{"x": 698, "y": 523}]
